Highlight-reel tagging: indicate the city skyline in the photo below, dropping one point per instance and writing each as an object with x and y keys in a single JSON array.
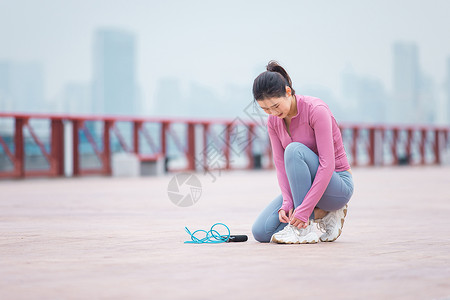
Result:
[{"x": 177, "y": 98}]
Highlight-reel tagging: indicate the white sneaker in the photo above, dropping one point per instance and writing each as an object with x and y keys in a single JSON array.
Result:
[
  {"x": 292, "y": 235},
  {"x": 332, "y": 224}
]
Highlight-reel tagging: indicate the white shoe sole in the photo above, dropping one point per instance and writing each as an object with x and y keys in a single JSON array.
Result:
[
  {"x": 310, "y": 238},
  {"x": 324, "y": 239}
]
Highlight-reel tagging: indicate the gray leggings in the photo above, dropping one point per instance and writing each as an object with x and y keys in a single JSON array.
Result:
[{"x": 303, "y": 165}]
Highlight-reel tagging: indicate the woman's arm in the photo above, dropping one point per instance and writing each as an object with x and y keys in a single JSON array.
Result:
[
  {"x": 278, "y": 157},
  {"x": 321, "y": 122}
]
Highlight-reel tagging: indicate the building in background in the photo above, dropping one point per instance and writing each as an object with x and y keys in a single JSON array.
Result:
[
  {"x": 364, "y": 98},
  {"x": 426, "y": 111},
  {"x": 21, "y": 87},
  {"x": 406, "y": 77},
  {"x": 414, "y": 92},
  {"x": 114, "y": 78}
]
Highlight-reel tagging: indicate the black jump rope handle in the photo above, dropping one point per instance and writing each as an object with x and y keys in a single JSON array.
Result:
[{"x": 236, "y": 238}]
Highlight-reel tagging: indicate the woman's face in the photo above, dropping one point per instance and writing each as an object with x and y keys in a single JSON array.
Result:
[{"x": 278, "y": 107}]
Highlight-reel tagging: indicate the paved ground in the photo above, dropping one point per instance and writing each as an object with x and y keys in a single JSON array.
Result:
[{"x": 119, "y": 238}]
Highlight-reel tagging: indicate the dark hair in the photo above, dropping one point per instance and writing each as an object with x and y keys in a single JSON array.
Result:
[{"x": 272, "y": 83}]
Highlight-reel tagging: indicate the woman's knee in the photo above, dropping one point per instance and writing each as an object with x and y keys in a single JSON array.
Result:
[
  {"x": 259, "y": 233},
  {"x": 292, "y": 150}
]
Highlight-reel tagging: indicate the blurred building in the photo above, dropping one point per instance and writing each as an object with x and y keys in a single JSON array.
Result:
[
  {"x": 21, "y": 87},
  {"x": 114, "y": 78},
  {"x": 364, "y": 98},
  {"x": 428, "y": 104},
  {"x": 414, "y": 93},
  {"x": 415, "y": 99},
  {"x": 405, "y": 82}
]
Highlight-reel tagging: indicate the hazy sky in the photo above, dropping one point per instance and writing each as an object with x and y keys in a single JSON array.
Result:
[{"x": 227, "y": 42}]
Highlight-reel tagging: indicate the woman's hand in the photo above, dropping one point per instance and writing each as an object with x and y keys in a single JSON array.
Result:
[
  {"x": 282, "y": 215},
  {"x": 297, "y": 223}
]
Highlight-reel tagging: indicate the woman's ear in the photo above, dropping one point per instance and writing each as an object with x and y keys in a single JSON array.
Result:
[{"x": 288, "y": 91}]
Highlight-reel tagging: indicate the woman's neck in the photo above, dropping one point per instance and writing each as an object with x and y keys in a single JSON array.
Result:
[{"x": 293, "y": 109}]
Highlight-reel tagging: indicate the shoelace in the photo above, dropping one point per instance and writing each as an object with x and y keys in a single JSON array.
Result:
[
  {"x": 321, "y": 226},
  {"x": 286, "y": 229},
  {"x": 296, "y": 230},
  {"x": 299, "y": 231},
  {"x": 211, "y": 237}
]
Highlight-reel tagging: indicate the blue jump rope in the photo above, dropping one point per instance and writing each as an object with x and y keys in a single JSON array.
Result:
[{"x": 213, "y": 236}]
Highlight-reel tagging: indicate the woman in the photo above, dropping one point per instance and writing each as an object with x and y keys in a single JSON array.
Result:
[{"x": 311, "y": 164}]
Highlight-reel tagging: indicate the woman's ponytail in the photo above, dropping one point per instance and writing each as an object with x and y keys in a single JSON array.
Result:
[{"x": 272, "y": 83}]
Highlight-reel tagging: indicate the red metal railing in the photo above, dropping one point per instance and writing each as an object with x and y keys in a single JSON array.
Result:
[
  {"x": 185, "y": 144},
  {"x": 366, "y": 145},
  {"x": 393, "y": 145}
]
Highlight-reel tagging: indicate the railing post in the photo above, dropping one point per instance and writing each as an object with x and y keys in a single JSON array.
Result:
[
  {"x": 57, "y": 147},
  {"x": 137, "y": 125},
  {"x": 394, "y": 145},
  {"x": 437, "y": 146},
  {"x": 76, "y": 124},
  {"x": 205, "y": 145},
  {"x": 423, "y": 137},
  {"x": 164, "y": 127},
  {"x": 191, "y": 147},
  {"x": 372, "y": 146},
  {"x": 227, "y": 145},
  {"x": 108, "y": 124},
  {"x": 379, "y": 157},
  {"x": 408, "y": 145},
  {"x": 19, "y": 147}
]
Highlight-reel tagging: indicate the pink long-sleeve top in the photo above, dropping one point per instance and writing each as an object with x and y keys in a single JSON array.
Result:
[{"x": 315, "y": 127}]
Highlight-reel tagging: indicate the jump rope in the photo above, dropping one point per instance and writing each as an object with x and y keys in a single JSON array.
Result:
[{"x": 213, "y": 236}]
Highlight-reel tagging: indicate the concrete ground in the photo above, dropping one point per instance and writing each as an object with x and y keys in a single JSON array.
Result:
[{"x": 122, "y": 238}]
